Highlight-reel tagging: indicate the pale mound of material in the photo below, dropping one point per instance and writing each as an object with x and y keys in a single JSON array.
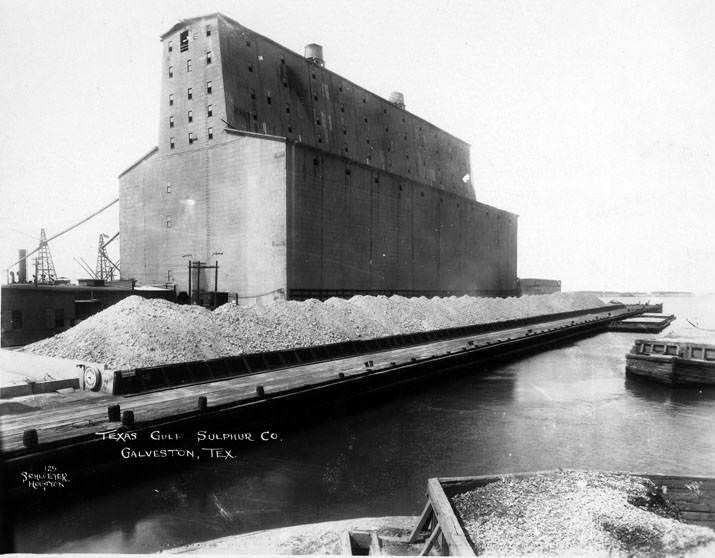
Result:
[
  {"x": 324, "y": 539},
  {"x": 569, "y": 513},
  {"x": 138, "y": 332}
]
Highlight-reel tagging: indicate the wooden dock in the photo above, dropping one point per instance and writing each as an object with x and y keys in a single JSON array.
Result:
[{"x": 72, "y": 429}]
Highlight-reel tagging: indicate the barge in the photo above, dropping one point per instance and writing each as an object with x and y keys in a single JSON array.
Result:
[
  {"x": 673, "y": 361},
  {"x": 690, "y": 499},
  {"x": 645, "y": 323}
]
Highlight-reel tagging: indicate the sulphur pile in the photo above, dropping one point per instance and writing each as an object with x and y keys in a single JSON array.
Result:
[
  {"x": 576, "y": 513},
  {"x": 138, "y": 332}
]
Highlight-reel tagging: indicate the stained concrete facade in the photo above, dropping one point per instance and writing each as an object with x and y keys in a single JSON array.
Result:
[{"x": 304, "y": 182}]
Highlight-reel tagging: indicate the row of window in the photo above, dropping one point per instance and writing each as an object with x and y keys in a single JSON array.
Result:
[
  {"x": 192, "y": 138},
  {"x": 184, "y": 39},
  {"x": 695, "y": 352},
  {"x": 190, "y": 115},
  {"x": 190, "y": 93},
  {"x": 189, "y": 64}
]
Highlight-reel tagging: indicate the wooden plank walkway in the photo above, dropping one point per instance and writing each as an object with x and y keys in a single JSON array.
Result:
[{"x": 88, "y": 415}]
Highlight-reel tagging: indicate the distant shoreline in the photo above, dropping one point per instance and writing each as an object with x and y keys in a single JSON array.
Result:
[{"x": 637, "y": 293}]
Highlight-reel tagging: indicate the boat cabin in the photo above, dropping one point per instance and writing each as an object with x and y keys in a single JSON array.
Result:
[{"x": 674, "y": 347}]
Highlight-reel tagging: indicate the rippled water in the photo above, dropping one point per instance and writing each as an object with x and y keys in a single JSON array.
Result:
[{"x": 569, "y": 407}]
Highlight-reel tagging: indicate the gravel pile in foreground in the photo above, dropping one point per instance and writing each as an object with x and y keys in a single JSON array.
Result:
[
  {"x": 138, "y": 332},
  {"x": 568, "y": 513}
]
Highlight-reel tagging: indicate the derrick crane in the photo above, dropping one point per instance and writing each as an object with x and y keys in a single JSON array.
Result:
[
  {"x": 44, "y": 266},
  {"x": 105, "y": 267},
  {"x": 43, "y": 262}
]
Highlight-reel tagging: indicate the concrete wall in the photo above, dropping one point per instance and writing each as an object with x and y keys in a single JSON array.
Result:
[
  {"x": 247, "y": 208},
  {"x": 188, "y": 205},
  {"x": 355, "y": 229}
]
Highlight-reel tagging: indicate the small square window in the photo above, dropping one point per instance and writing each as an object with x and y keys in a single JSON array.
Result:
[
  {"x": 268, "y": 99},
  {"x": 168, "y": 222},
  {"x": 287, "y": 109},
  {"x": 208, "y": 87},
  {"x": 208, "y": 57},
  {"x": 192, "y": 138},
  {"x": 171, "y": 46},
  {"x": 208, "y": 30},
  {"x": 184, "y": 41},
  {"x": 191, "y": 115},
  {"x": 248, "y": 43},
  {"x": 253, "y": 94},
  {"x": 190, "y": 93},
  {"x": 168, "y": 188},
  {"x": 171, "y": 71},
  {"x": 188, "y": 65},
  {"x": 250, "y": 67},
  {"x": 172, "y": 143},
  {"x": 171, "y": 122},
  {"x": 171, "y": 99},
  {"x": 210, "y": 110},
  {"x": 211, "y": 133}
]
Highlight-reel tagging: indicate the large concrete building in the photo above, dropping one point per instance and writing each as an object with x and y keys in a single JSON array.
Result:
[{"x": 300, "y": 182}]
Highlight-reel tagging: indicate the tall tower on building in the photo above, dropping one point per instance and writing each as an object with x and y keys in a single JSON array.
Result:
[{"x": 44, "y": 266}]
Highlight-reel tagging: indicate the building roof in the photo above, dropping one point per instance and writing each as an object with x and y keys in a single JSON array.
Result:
[{"x": 184, "y": 22}]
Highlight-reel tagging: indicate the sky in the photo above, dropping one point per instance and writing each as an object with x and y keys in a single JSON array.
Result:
[{"x": 593, "y": 121}]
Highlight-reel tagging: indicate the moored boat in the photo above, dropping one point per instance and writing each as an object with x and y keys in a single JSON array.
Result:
[{"x": 673, "y": 361}]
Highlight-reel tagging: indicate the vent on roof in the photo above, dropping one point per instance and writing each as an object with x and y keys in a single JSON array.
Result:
[
  {"x": 397, "y": 99},
  {"x": 314, "y": 53}
]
